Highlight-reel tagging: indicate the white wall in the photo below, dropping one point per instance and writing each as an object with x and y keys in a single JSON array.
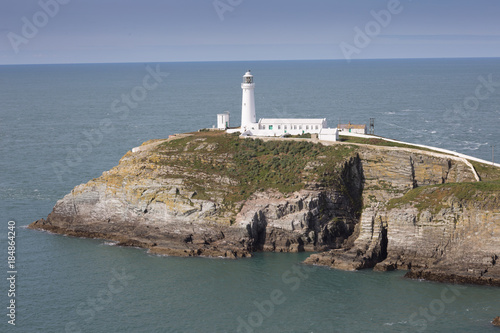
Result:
[
  {"x": 329, "y": 136},
  {"x": 354, "y": 130},
  {"x": 289, "y": 127},
  {"x": 223, "y": 120}
]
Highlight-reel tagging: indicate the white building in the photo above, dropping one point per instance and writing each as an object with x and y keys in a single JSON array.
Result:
[
  {"x": 328, "y": 134},
  {"x": 352, "y": 128},
  {"x": 293, "y": 126},
  {"x": 272, "y": 126},
  {"x": 223, "y": 120}
]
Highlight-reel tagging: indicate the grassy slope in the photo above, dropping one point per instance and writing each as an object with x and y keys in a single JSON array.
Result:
[
  {"x": 287, "y": 166},
  {"x": 250, "y": 164},
  {"x": 377, "y": 142},
  {"x": 436, "y": 196},
  {"x": 486, "y": 172}
]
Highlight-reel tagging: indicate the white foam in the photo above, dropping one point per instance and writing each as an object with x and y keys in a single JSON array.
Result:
[{"x": 411, "y": 110}]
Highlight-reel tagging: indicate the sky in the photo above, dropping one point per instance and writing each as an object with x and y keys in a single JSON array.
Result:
[{"x": 103, "y": 31}]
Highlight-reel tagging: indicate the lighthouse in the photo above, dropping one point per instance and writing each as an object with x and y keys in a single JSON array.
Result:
[
  {"x": 272, "y": 127},
  {"x": 248, "y": 102}
]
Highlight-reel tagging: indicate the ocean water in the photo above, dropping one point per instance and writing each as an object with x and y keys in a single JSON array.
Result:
[{"x": 62, "y": 125}]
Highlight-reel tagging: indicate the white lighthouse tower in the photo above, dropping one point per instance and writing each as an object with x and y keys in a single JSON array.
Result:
[{"x": 248, "y": 102}]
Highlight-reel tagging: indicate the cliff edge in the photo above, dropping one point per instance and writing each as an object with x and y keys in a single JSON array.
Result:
[{"x": 361, "y": 205}]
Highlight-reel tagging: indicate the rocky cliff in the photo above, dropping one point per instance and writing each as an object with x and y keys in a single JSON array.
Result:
[
  {"x": 427, "y": 213},
  {"x": 214, "y": 194},
  {"x": 218, "y": 195}
]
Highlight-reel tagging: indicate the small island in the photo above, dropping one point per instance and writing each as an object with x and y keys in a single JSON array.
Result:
[
  {"x": 359, "y": 201},
  {"x": 372, "y": 204}
]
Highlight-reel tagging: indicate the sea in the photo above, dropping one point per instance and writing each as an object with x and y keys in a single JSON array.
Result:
[{"x": 63, "y": 125}]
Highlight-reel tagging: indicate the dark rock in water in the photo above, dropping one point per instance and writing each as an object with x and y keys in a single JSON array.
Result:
[
  {"x": 454, "y": 275},
  {"x": 385, "y": 266}
]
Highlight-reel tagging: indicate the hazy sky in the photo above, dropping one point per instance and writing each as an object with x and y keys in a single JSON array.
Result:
[{"x": 76, "y": 31}]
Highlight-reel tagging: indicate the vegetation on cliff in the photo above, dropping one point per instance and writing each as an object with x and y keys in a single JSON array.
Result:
[
  {"x": 486, "y": 172},
  {"x": 436, "y": 197},
  {"x": 241, "y": 167},
  {"x": 485, "y": 193},
  {"x": 378, "y": 142}
]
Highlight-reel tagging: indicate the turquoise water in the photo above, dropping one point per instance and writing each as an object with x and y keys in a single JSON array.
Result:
[{"x": 79, "y": 285}]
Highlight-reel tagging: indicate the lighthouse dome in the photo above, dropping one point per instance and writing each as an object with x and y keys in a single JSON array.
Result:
[{"x": 248, "y": 77}]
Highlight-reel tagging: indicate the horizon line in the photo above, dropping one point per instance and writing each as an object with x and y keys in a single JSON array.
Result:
[{"x": 259, "y": 60}]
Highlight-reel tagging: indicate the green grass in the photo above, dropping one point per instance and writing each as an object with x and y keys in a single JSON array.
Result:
[
  {"x": 253, "y": 164},
  {"x": 435, "y": 197},
  {"x": 486, "y": 172},
  {"x": 378, "y": 142},
  {"x": 301, "y": 136}
]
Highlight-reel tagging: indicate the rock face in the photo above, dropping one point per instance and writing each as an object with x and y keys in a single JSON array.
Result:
[
  {"x": 462, "y": 237},
  {"x": 366, "y": 206},
  {"x": 442, "y": 233},
  {"x": 170, "y": 196}
]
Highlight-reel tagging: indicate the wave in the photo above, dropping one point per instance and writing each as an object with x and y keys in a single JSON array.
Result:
[
  {"x": 469, "y": 145},
  {"x": 411, "y": 110}
]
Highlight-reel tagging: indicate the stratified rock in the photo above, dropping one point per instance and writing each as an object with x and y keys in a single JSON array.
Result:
[{"x": 171, "y": 197}]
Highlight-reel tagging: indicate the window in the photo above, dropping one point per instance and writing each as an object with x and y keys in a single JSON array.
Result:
[
  {"x": 286, "y": 127},
  {"x": 294, "y": 126},
  {"x": 307, "y": 127},
  {"x": 316, "y": 126},
  {"x": 279, "y": 126},
  {"x": 270, "y": 127},
  {"x": 300, "y": 126}
]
